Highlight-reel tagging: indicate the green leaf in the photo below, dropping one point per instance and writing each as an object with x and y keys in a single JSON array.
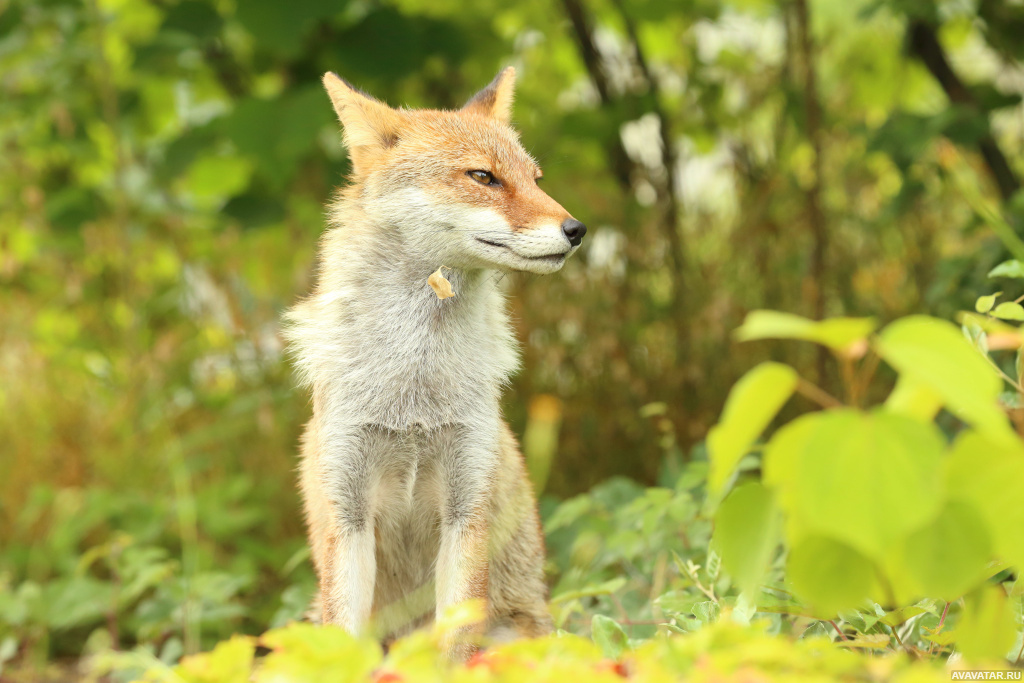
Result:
[
  {"x": 913, "y": 399},
  {"x": 282, "y": 26},
  {"x": 706, "y": 611},
  {"x": 987, "y": 629},
  {"x": 751, "y": 405},
  {"x": 195, "y": 17},
  {"x": 949, "y": 556},
  {"x": 901, "y": 615},
  {"x": 838, "y": 334},
  {"x": 308, "y": 652},
  {"x": 829, "y": 575},
  {"x": 1012, "y": 268},
  {"x": 609, "y": 636},
  {"x": 984, "y": 304},
  {"x": 1008, "y": 310},
  {"x": 865, "y": 479},
  {"x": 229, "y": 662},
  {"x": 934, "y": 353},
  {"x": 607, "y": 588},
  {"x": 746, "y": 534},
  {"x": 989, "y": 476}
]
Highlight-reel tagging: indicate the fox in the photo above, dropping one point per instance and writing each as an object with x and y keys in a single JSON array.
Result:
[{"x": 415, "y": 492}]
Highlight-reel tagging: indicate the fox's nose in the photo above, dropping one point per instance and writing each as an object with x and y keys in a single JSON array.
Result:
[{"x": 574, "y": 230}]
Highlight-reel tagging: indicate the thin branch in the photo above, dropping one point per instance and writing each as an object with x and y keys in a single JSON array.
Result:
[
  {"x": 670, "y": 226},
  {"x": 588, "y": 51},
  {"x": 817, "y": 394},
  {"x": 924, "y": 43},
  {"x": 838, "y": 630},
  {"x": 816, "y": 217}
]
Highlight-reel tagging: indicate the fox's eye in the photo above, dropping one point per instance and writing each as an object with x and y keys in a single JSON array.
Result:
[{"x": 484, "y": 178}]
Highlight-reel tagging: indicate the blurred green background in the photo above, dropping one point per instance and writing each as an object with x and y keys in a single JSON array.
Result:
[{"x": 163, "y": 167}]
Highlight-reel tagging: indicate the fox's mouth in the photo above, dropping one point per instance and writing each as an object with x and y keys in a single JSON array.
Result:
[{"x": 546, "y": 257}]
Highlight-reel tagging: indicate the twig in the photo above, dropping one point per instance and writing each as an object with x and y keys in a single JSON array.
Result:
[
  {"x": 838, "y": 630},
  {"x": 897, "y": 637},
  {"x": 865, "y": 374},
  {"x": 817, "y": 394},
  {"x": 691, "y": 573},
  {"x": 1016, "y": 385},
  {"x": 925, "y": 44}
]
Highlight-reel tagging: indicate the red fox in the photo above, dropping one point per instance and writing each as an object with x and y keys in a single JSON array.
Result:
[{"x": 415, "y": 492}]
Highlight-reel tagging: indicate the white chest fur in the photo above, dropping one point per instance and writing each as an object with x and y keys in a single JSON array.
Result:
[{"x": 380, "y": 348}]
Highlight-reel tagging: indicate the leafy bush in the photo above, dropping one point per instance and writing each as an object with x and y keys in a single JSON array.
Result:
[
  {"x": 887, "y": 528},
  {"x": 720, "y": 653},
  {"x": 881, "y": 516}
]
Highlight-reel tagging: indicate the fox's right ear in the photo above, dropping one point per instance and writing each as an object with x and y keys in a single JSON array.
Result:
[
  {"x": 495, "y": 101},
  {"x": 369, "y": 125}
]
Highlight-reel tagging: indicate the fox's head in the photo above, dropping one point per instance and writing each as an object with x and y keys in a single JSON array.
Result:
[{"x": 458, "y": 184}]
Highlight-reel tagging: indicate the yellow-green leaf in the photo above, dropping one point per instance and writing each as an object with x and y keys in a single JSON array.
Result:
[
  {"x": 984, "y": 304},
  {"x": 829, "y": 575},
  {"x": 990, "y": 476},
  {"x": 948, "y": 557},
  {"x": 1009, "y": 310},
  {"x": 229, "y": 662},
  {"x": 836, "y": 333},
  {"x": 865, "y": 479},
  {"x": 746, "y": 534},
  {"x": 1012, "y": 268},
  {"x": 913, "y": 399},
  {"x": 987, "y": 629},
  {"x": 934, "y": 353},
  {"x": 751, "y": 405}
]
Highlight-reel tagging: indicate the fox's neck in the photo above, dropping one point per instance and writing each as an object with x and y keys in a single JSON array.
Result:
[{"x": 386, "y": 350}]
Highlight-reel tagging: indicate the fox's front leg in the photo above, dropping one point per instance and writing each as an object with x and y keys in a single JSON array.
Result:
[
  {"x": 462, "y": 563},
  {"x": 347, "y": 584}
]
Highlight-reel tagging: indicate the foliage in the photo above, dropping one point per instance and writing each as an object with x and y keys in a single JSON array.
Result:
[
  {"x": 723, "y": 652},
  {"x": 162, "y": 179},
  {"x": 875, "y": 507}
]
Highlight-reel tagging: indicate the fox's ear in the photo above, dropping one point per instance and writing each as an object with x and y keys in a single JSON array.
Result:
[
  {"x": 495, "y": 100},
  {"x": 367, "y": 123}
]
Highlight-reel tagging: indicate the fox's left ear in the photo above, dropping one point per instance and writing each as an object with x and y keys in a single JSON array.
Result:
[
  {"x": 495, "y": 101},
  {"x": 369, "y": 125}
]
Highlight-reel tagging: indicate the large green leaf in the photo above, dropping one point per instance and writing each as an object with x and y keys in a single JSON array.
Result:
[
  {"x": 609, "y": 636},
  {"x": 865, "y": 479},
  {"x": 746, "y": 533},
  {"x": 829, "y": 575},
  {"x": 751, "y": 405},
  {"x": 990, "y": 476},
  {"x": 986, "y": 629},
  {"x": 913, "y": 399},
  {"x": 836, "y": 333},
  {"x": 1012, "y": 268},
  {"x": 934, "y": 353},
  {"x": 282, "y": 26},
  {"x": 949, "y": 556}
]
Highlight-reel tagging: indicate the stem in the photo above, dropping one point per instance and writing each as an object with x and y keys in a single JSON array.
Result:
[
  {"x": 817, "y": 394},
  {"x": 691, "y": 572},
  {"x": 847, "y": 369},
  {"x": 897, "y": 637},
  {"x": 188, "y": 529},
  {"x": 838, "y": 630},
  {"x": 1012, "y": 382},
  {"x": 866, "y": 374}
]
